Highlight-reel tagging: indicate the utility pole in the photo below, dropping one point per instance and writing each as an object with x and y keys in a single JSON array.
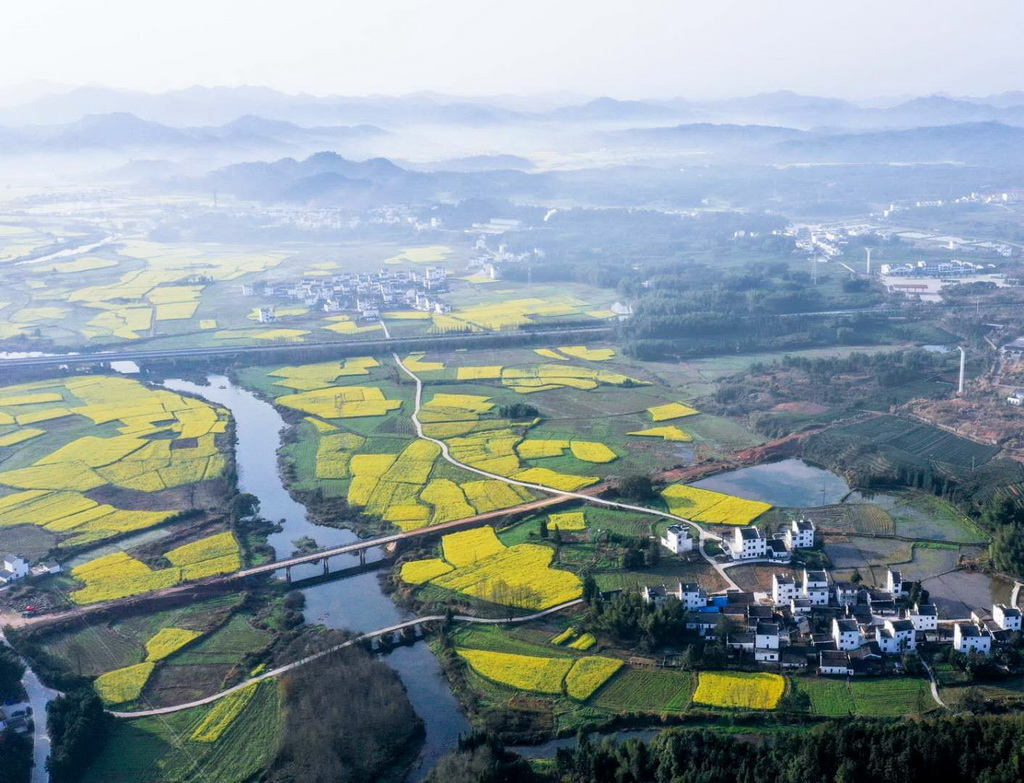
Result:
[{"x": 963, "y": 357}]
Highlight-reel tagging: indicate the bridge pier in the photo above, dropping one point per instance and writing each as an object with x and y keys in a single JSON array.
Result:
[
  {"x": 326, "y": 570},
  {"x": 362, "y": 557},
  {"x": 288, "y": 574}
]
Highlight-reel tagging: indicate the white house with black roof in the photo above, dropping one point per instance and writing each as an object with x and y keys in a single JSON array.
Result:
[{"x": 968, "y": 637}]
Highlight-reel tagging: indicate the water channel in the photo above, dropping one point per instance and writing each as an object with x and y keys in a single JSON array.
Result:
[{"x": 356, "y": 602}]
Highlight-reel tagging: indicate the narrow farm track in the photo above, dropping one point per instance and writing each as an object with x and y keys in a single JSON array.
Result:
[
  {"x": 356, "y": 640},
  {"x": 934, "y": 685},
  {"x": 702, "y": 534}
]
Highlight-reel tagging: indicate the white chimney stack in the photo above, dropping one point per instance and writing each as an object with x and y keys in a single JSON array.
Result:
[{"x": 963, "y": 356}]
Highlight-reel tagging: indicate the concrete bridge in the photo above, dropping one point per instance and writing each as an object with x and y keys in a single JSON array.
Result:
[{"x": 360, "y": 547}]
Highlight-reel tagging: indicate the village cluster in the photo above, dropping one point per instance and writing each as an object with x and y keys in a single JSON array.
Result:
[
  {"x": 840, "y": 627},
  {"x": 366, "y": 293}
]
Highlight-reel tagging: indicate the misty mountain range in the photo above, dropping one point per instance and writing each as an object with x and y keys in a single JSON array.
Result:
[
  {"x": 121, "y": 131},
  {"x": 217, "y": 106}
]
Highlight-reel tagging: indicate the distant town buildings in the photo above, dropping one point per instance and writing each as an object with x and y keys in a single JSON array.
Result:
[{"x": 364, "y": 293}]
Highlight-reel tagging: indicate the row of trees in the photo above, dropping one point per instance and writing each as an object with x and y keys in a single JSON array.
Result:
[
  {"x": 968, "y": 749},
  {"x": 988, "y": 750}
]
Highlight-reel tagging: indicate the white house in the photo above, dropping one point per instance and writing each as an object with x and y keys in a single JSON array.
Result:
[
  {"x": 896, "y": 636},
  {"x": 691, "y": 595},
  {"x": 847, "y": 593},
  {"x": 14, "y": 567},
  {"x": 894, "y": 583},
  {"x": 783, "y": 588},
  {"x": 766, "y": 642},
  {"x": 800, "y": 534},
  {"x": 799, "y": 606},
  {"x": 834, "y": 662},
  {"x": 968, "y": 637},
  {"x": 1007, "y": 617},
  {"x": 925, "y": 617},
  {"x": 678, "y": 539},
  {"x": 748, "y": 542},
  {"x": 846, "y": 634},
  {"x": 815, "y": 587}
]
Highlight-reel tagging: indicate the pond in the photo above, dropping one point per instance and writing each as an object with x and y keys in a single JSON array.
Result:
[
  {"x": 789, "y": 483},
  {"x": 355, "y": 603}
]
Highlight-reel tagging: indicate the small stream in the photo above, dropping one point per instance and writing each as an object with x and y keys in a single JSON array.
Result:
[{"x": 355, "y": 603}]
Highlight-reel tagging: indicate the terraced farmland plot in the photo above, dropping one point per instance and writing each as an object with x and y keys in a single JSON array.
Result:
[
  {"x": 112, "y": 430},
  {"x": 922, "y": 441}
]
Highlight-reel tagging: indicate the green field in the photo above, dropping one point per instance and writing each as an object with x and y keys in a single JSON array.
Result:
[
  {"x": 100, "y": 648},
  {"x": 646, "y": 690},
  {"x": 872, "y": 698},
  {"x": 159, "y": 749}
]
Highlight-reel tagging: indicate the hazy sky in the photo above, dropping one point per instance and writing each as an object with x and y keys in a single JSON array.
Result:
[{"x": 853, "y": 48}]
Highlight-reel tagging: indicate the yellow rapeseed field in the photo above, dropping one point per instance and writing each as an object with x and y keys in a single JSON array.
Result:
[
  {"x": 416, "y": 572},
  {"x": 589, "y": 354},
  {"x": 490, "y": 494},
  {"x": 119, "y": 575},
  {"x": 703, "y": 505},
  {"x": 569, "y": 520},
  {"x": 536, "y": 448},
  {"x": 341, "y": 402},
  {"x": 548, "y": 353},
  {"x": 223, "y": 714},
  {"x": 520, "y": 575},
  {"x": 564, "y": 636},
  {"x": 121, "y": 685},
  {"x": 414, "y": 363},
  {"x": 448, "y": 500},
  {"x": 523, "y": 672},
  {"x": 470, "y": 546},
  {"x": 550, "y": 478},
  {"x": 744, "y": 690},
  {"x": 167, "y": 641},
  {"x": 665, "y": 433},
  {"x": 671, "y": 410},
  {"x": 588, "y": 451},
  {"x": 585, "y": 642},
  {"x": 588, "y": 674},
  {"x": 308, "y": 377},
  {"x": 479, "y": 373}
]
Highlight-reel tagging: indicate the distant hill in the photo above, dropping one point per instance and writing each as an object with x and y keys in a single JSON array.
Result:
[
  {"x": 197, "y": 107},
  {"x": 980, "y": 143},
  {"x": 122, "y": 131}
]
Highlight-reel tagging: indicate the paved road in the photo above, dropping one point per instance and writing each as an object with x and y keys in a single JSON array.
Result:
[
  {"x": 367, "y": 345},
  {"x": 362, "y": 637},
  {"x": 38, "y": 697}
]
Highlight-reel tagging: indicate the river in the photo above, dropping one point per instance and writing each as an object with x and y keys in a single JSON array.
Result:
[{"x": 355, "y": 603}]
